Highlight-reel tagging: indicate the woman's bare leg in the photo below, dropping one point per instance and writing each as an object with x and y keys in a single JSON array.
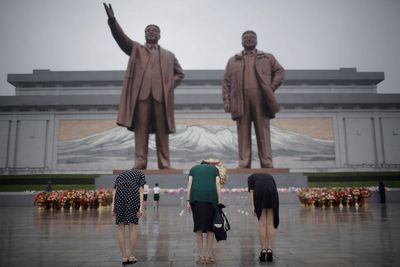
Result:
[
  {"x": 132, "y": 238},
  {"x": 199, "y": 241},
  {"x": 121, "y": 239},
  {"x": 210, "y": 242},
  {"x": 270, "y": 228},
  {"x": 262, "y": 229}
]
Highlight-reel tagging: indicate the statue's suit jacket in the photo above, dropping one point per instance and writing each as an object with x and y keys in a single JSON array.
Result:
[
  {"x": 139, "y": 56},
  {"x": 269, "y": 75}
]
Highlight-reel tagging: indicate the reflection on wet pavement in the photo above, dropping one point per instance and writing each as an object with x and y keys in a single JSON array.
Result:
[{"x": 306, "y": 236}]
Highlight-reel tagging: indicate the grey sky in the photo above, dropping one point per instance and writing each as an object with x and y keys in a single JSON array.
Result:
[{"x": 203, "y": 34}]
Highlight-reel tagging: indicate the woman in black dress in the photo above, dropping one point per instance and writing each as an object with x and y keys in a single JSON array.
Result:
[
  {"x": 265, "y": 205},
  {"x": 127, "y": 208}
]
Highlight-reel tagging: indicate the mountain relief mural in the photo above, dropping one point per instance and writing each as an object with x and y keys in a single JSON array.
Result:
[{"x": 113, "y": 148}]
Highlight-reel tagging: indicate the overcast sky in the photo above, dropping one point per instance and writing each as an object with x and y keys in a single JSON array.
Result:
[{"x": 203, "y": 34}]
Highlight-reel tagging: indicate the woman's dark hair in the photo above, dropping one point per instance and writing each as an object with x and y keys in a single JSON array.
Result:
[{"x": 156, "y": 184}]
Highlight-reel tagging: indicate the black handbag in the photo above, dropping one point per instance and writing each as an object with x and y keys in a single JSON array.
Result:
[
  {"x": 218, "y": 220},
  {"x": 220, "y": 223}
]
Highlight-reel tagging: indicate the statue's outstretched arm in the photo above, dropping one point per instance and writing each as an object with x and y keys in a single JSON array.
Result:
[
  {"x": 110, "y": 12},
  {"x": 124, "y": 42}
]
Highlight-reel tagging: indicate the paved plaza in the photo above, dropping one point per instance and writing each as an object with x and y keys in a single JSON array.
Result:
[{"x": 306, "y": 237}]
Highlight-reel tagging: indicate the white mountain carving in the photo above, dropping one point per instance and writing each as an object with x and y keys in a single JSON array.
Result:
[{"x": 191, "y": 144}]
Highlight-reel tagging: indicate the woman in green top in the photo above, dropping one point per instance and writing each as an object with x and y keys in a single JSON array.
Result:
[{"x": 203, "y": 195}]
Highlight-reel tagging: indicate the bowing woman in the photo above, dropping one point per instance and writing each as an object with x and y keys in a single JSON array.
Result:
[
  {"x": 127, "y": 208},
  {"x": 203, "y": 196},
  {"x": 265, "y": 205}
]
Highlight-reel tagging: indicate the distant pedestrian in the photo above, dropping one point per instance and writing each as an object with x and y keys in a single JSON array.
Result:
[
  {"x": 203, "y": 196},
  {"x": 49, "y": 186},
  {"x": 265, "y": 205},
  {"x": 382, "y": 192},
  {"x": 127, "y": 208},
  {"x": 156, "y": 195}
]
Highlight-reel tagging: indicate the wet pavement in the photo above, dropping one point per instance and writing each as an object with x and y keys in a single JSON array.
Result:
[{"x": 367, "y": 236}]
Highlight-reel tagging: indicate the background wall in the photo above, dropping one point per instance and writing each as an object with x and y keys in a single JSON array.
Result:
[{"x": 303, "y": 141}]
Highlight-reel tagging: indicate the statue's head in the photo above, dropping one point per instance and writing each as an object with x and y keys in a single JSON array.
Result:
[
  {"x": 152, "y": 34},
  {"x": 249, "y": 40}
]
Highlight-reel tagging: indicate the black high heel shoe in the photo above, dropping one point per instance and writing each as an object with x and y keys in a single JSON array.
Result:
[
  {"x": 125, "y": 261},
  {"x": 269, "y": 255},
  {"x": 263, "y": 255},
  {"x": 132, "y": 260}
]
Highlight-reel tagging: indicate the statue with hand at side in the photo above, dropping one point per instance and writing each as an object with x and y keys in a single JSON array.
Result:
[{"x": 250, "y": 80}]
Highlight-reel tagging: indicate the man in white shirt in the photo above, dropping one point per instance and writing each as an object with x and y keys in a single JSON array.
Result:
[{"x": 156, "y": 195}]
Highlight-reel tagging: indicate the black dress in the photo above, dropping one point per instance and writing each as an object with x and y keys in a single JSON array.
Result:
[
  {"x": 127, "y": 196},
  {"x": 265, "y": 194}
]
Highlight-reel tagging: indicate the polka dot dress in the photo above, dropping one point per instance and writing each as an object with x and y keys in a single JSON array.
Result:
[{"x": 127, "y": 196}]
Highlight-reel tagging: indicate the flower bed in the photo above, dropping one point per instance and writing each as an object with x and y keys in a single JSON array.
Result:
[
  {"x": 93, "y": 199},
  {"x": 75, "y": 199},
  {"x": 333, "y": 197}
]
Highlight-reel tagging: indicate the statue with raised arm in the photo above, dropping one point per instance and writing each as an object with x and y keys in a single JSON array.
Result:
[{"x": 147, "y": 99}]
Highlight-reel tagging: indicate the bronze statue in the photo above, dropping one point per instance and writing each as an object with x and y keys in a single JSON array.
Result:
[
  {"x": 250, "y": 80},
  {"x": 147, "y": 99}
]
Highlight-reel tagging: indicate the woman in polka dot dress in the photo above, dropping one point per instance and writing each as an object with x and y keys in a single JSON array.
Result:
[{"x": 127, "y": 208}]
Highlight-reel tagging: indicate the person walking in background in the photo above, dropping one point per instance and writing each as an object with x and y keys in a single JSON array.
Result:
[
  {"x": 382, "y": 192},
  {"x": 156, "y": 195},
  {"x": 147, "y": 98},
  {"x": 250, "y": 80},
  {"x": 145, "y": 195},
  {"x": 128, "y": 207},
  {"x": 49, "y": 186},
  {"x": 203, "y": 196},
  {"x": 264, "y": 200}
]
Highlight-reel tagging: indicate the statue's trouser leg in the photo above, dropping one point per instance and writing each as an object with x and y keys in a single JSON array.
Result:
[
  {"x": 161, "y": 131},
  {"x": 142, "y": 126},
  {"x": 261, "y": 126},
  {"x": 254, "y": 110},
  {"x": 151, "y": 112},
  {"x": 244, "y": 135}
]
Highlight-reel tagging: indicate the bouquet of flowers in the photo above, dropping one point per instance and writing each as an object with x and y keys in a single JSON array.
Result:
[
  {"x": 40, "y": 199},
  {"x": 331, "y": 197},
  {"x": 223, "y": 174},
  {"x": 365, "y": 193},
  {"x": 105, "y": 197}
]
